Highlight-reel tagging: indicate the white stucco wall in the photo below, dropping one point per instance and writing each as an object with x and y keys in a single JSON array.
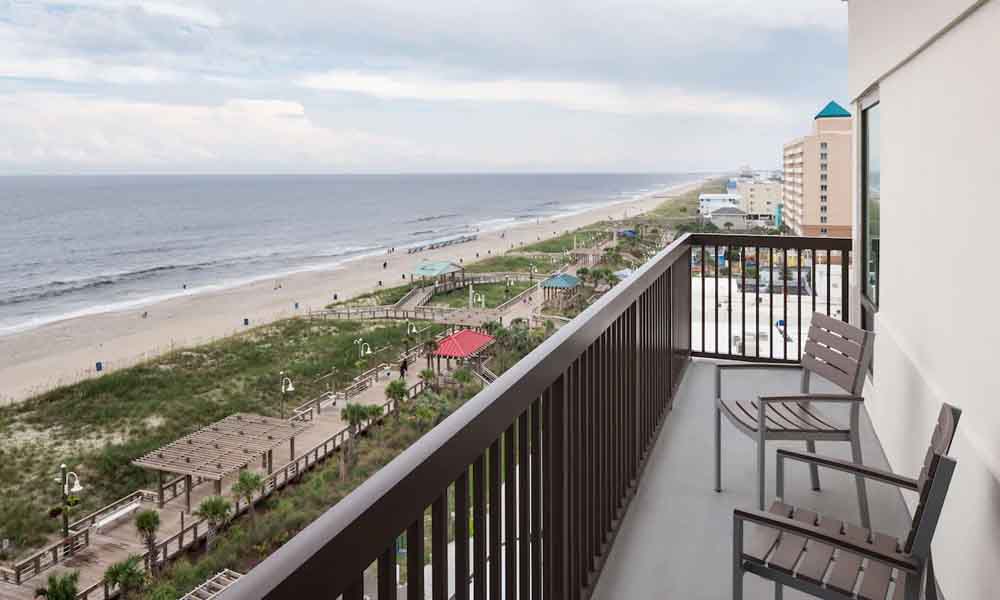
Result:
[{"x": 938, "y": 326}]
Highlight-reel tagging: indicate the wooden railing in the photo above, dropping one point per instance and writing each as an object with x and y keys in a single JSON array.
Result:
[
  {"x": 601, "y": 385},
  {"x": 51, "y": 555}
]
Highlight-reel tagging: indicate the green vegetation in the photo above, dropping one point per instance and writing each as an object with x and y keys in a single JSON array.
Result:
[
  {"x": 379, "y": 297},
  {"x": 685, "y": 206},
  {"x": 289, "y": 510},
  {"x": 59, "y": 587},
  {"x": 147, "y": 524},
  {"x": 100, "y": 425},
  {"x": 512, "y": 263},
  {"x": 249, "y": 484},
  {"x": 494, "y": 294},
  {"x": 128, "y": 576},
  {"x": 586, "y": 236}
]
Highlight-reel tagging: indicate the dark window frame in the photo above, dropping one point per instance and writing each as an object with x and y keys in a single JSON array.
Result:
[{"x": 869, "y": 306}]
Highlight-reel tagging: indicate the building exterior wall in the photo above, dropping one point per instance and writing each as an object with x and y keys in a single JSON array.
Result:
[
  {"x": 708, "y": 203},
  {"x": 759, "y": 196},
  {"x": 937, "y": 332},
  {"x": 802, "y": 192}
]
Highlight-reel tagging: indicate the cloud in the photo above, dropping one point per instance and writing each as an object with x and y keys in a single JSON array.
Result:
[
  {"x": 86, "y": 134},
  {"x": 82, "y": 70},
  {"x": 571, "y": 95},
  {"x": 191, "y": 12}
]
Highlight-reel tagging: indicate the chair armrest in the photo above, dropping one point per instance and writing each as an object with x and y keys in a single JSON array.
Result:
[
  {"x": 744, "y": 367},
  {"x": 899, "y": 560},
  {"x": 811, "y": 397},
  {"x": 848, "y": 467}
]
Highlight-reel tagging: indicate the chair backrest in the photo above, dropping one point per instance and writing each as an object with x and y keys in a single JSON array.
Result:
[
  {"x": 935, "y": 476},
  {"x": 837, "y": 351}
]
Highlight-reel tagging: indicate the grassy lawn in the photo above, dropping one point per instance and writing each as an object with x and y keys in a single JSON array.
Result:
[
  {"x": 513, "y": 263},
  {"x": 98, "y": 426},
  {"x": 495, "y": 294}
]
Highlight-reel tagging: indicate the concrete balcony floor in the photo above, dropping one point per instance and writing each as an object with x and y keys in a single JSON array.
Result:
[{"x": 676, "y": 539}]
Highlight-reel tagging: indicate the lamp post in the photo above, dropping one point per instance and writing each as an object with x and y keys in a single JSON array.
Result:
[
  {"x": 65, "y": 476},
  {"x": 480, "y": 299},
  {"x": 411, "y": 328},
  {"x": 364, "y": 348},
  {"x": 286, "y": 387}
]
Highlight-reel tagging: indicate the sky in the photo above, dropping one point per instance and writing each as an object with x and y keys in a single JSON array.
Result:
[{"x": 300, "y": 86}]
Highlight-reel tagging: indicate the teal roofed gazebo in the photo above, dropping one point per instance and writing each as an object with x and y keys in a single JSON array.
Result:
[
  {"x": 559, "y": 288},
  {"x": 437, "y": 268},
  {"x": 833, "y": 110},
  {"x": 562, "y": 281}
]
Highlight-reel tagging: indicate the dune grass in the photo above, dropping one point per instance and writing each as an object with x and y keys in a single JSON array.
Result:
[
  {"x": 98, "y": 426},
  {"x": 512, "y": 263}
]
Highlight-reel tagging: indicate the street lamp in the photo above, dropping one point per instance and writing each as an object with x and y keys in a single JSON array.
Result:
[
  {"x": 65, "y": 476},
  {"x": 364, "y": 348},
  {"x": 477, "y": 297},
  {"x": 286, "y": 387},
  {"x": 411, "y": 328}
]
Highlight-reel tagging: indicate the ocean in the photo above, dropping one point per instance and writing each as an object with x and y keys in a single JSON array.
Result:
[{"x": 76, "y": 245}]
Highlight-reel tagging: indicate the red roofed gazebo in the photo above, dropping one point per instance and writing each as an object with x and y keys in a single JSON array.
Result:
[{"x": 462, "y": 345}]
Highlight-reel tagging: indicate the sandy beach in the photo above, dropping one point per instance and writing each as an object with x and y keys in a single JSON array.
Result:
[{"x": 67, "y": 351}]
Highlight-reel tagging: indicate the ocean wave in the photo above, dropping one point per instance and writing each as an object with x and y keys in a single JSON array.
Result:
[{"x": 433, "y": 218}]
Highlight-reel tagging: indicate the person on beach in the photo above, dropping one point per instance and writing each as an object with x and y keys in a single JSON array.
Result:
[
  {"x": 385, "y": 265},
  {"x": 402, "y": 368}
]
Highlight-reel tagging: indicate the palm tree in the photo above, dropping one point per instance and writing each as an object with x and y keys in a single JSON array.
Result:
[
  {"x": 356, "y": 415},
  {"x": 429, "y": 347},
  {"x": 428, "y": 376},
  {"x": 215, "y": 510},
  {"x": 147, "y": 523},
  {"x": 247, "y": 484},
  {"x": 60, "y": 587},
  {"x": 464, "y": 378},
  {"x": 127, "y": 575}
]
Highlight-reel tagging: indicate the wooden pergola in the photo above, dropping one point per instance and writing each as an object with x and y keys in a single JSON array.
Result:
[
  {"x": 219, "y": 583},
  {"x": 220, "y": 449}
]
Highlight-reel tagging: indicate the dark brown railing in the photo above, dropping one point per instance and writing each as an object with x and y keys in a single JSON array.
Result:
[
  {"x": 754, "y": 295},
  {"x": 557, "y": 444}
]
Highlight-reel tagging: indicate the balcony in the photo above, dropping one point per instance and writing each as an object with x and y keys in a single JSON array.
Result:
[{"x": 586, "y": 470}]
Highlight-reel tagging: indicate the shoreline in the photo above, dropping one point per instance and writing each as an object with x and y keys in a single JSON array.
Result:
[{"x": 66, "y": 351}]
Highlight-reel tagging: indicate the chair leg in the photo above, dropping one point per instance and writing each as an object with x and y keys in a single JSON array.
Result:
[
  {"x": 761, "y": 447},
  {"x": 813, "y": 469},
  {"x": 860, "y": 482},
  {"x": 718, "y": 449},
  {"x": 737, "y": 559},
  {"x": 779, "y": 591}
]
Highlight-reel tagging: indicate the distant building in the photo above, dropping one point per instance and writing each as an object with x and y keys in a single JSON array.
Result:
[
  {"x": 759, "y": 196},
  {"x": 816, "y": 195},
  {"x": 709, "y": 203},
  {"x": 729, "y": 218}
]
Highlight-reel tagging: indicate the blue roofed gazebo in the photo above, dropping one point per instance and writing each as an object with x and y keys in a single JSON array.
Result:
[
  {"x": 560, "y": 287},
  {"x": 437, "y": 270}
]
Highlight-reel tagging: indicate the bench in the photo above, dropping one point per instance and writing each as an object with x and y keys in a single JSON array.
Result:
[{"x": 112, "y": 518}]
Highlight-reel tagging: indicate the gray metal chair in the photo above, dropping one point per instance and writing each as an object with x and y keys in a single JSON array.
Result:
[
  {"x": 836, "y": 560},
  {"x": 834, "y": 350}
]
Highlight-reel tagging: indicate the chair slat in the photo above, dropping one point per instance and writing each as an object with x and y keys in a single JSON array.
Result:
[
  {"x": 841, "y": 361},
  {"x": 809, "y": 417},
  {"x": 836, "y": 376},
  {"x": 764, "y": 537},
  {"x": 789, "y": 549},
  {"x": 847, "y": 566},
  {"x": 842, "y": 345},
  {"x": 875, "y": 583},
  {"x": 839, "y": 327},
  {"x": 818, "y": 555}
]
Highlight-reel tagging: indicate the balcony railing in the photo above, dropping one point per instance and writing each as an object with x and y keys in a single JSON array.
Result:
[{"x": 543, "y": 462}]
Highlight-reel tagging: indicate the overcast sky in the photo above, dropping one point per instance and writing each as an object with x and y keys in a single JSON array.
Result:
[{"x": 412, "y": 85}]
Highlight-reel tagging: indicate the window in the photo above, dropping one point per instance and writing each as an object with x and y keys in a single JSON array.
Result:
[
  {"x": 822, "y": 167},
  {"x": 822, "y": 145},
  {"x": 822, "y": 188},
  {"x": 822, "y": 219},
  {"x": 822, "y": 209},
  {"x": 871, "y": 179},
  {"x": 822, "y": 155},
  {"x": 822, "y": 198},
  {"x": 823, "y": 231},
  {"x": 822, "y": 177}
]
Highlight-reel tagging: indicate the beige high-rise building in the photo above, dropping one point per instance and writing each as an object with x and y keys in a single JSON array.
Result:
[{"x": 816, "y": 195}]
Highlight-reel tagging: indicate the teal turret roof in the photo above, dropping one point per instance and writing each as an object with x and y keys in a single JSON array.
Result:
[{"x": 832, "y": 110}]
